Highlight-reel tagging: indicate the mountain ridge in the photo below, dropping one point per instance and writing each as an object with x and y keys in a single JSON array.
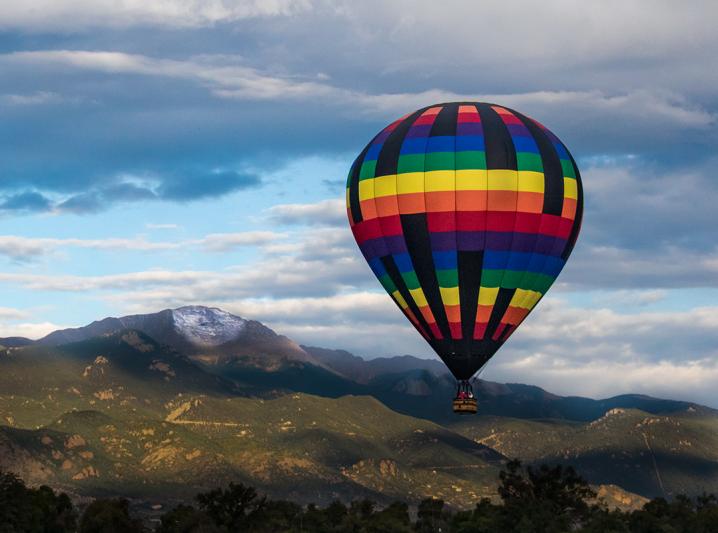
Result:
[
  {"x": 175, "y": 422},
  {"x": 208, "y": 334}
]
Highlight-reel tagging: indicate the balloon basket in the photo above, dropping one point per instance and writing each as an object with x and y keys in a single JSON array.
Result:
[{"x": 465, "y": 406}]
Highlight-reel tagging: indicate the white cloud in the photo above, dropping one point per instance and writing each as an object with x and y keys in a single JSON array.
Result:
[
  {"x": 224, "y": 242},
  {"x": 10, "y": 313},
  {"x": 228, "y": 77},
  {"x": 162, "y": 226},
  {"x": 600, "y": 352},
  {"x": 31, "y": 330},
  {"x": 27, "y": 248},
  {"x": 596, "y": 266},
  {"x": 326, "y": 212},
  {"x": 82, "y": 14},
  {"x": 35, "y": 98}
]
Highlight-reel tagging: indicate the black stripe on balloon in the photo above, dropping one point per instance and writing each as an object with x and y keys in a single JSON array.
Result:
[
  {"x": 388, "y": 160},
  {"x": 444, "y": 126},
  {"x": 553, "y": 173},
  {"x": 579, "y": 212},
  {"x": 418, "y": 243},
  {"x": 395, "y": 276},
  {"x": 445, "y": 122},
  {"x": 469, "y": 282},
  {"x": 500, "y": 153},
  {"x": 505, "y": 333},
  {"x": 500, "y": 306},
  {"x": 354, "y": 205}
]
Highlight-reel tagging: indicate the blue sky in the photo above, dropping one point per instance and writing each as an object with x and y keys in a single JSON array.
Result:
[{"x": 155, "y": 154}]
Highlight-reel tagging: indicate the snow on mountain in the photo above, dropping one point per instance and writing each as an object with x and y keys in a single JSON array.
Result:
[{"x": 207, "y": 326}]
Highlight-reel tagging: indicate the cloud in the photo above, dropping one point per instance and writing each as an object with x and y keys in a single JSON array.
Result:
[
  {"x": 225, "y": 242},
  {"x": 128, "y": 189},
  {"x": 229, "y": 77},
  {"x": 209, "y": 185},
  {"x": 667, "y": 266},
  {"x": 29, "y": 248},
  {"x": 9, "y": 313},
  {"x": 35, "y": 98},
  {"x": 324, "y": 213},
  {"x": 162, "y": 226},
  {"x": 73, "y": 15},
  {"x": 601, "y": 352},
  {"x": 28, "y": 201},
  {"x": 30, "y": 330}
]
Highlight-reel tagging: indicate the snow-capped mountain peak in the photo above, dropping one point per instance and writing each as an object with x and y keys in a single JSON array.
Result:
[{"x": 207, "y": 326}]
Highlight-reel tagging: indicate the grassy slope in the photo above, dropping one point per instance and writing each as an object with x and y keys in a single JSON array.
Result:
[
  {"x": 151, "y": 422},
  {"x": 121, "y": 415},
  {"x": 644, "y": 453}
]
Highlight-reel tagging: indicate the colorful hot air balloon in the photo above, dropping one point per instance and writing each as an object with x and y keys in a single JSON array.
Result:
[{"x": 466, "y": 212}]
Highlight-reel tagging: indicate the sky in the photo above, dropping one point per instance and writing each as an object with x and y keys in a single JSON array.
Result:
[{"x": 159, "y": 154}]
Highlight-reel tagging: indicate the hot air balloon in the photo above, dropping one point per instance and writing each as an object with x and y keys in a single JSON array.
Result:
[{"x": 466, "y": 213}]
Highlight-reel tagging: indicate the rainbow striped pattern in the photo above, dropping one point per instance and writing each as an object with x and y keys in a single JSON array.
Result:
[{"x": 466, "y": 213}]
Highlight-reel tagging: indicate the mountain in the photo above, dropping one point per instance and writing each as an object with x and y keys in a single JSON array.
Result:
[
  {"x": 648, "y": 454},
  {"x": 15, "y": 342},
  {"x": 363, "y": 371},
  {"x": 121, "y": 414},
  {"x": 206, "y": 334},
  {"x": 160, "y": 406}
]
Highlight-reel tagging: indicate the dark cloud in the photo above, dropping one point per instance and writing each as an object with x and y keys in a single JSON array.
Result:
[
  {"x": 256, "y": 92},
  {"x": 170, "y": 188},
  {"x": 190, "y": 186},
  {"x": 29, "y": 201}
]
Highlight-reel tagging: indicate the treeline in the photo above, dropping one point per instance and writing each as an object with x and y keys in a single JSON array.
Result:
[{"x": 533, "y": 500}]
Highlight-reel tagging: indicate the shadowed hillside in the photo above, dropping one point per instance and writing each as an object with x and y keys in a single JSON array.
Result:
[{"x": 122, "y": 413}]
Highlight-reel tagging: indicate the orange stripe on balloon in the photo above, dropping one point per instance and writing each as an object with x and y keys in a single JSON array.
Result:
[
  {"x": 530, "y": 202},
  {"x": 569, "y": 208},
  {"x": 440, "y": 201},
  {"x": 411, "y": 203}
]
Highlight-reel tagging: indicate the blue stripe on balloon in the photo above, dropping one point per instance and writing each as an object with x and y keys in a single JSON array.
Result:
[{"x": 445, "y": 260}]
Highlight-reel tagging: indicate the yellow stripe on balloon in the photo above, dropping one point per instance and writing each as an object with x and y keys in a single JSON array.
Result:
[
  {"x": 440, "y": 180},
  {"x": 410, "y": 182},
  {"x": 418, "y": 297},
  {"x": 449, "y": 295},
  {"x": 385, "y": 186},
  {"x": 570, "y": 189},
  {"x": 400, "y": 299},
  {"x": 530, "y": 181},
  {"x": 502, "y": 180},
  {"x": 487, "y": 295},
  {"x": 471, "y": 180}
]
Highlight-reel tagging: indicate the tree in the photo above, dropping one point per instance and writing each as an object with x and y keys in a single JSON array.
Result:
[
  {"x": 431, "y": 516},
  {"x": 109, "y": 516},
  {"x": 58, "y": 513},
  {"x": 235, "y": 508},
  {"x": 545, "y": 499},
  {"x": 25, "y": 509},
  {"x": 392, "y": 519},
  {"x": 277, "y": 515},
  {"x": 186, "y": 519}
]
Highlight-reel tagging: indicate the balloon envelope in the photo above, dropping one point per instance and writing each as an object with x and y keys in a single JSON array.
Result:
[{"x": 466, "y": 213}]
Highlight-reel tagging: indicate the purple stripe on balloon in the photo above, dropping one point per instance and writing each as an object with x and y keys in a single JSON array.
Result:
[
  {"x": 469, "y": 128},
  {"x": 395, "y": 244},
  {"x": 558, "y": 247},
  {"x": 470, "y": 241},
  {"x": 419, "y": 131},
  {"x": 442, "y": 240},
  {"x": 374, "y": 248},
  {"x": 522, "y": 242},
  {"x": 382, "y": 136},
  {"x": 498, "y": 240},
  {"x": 518, "y": 129},
  {"x": 544, "y": 244}
]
